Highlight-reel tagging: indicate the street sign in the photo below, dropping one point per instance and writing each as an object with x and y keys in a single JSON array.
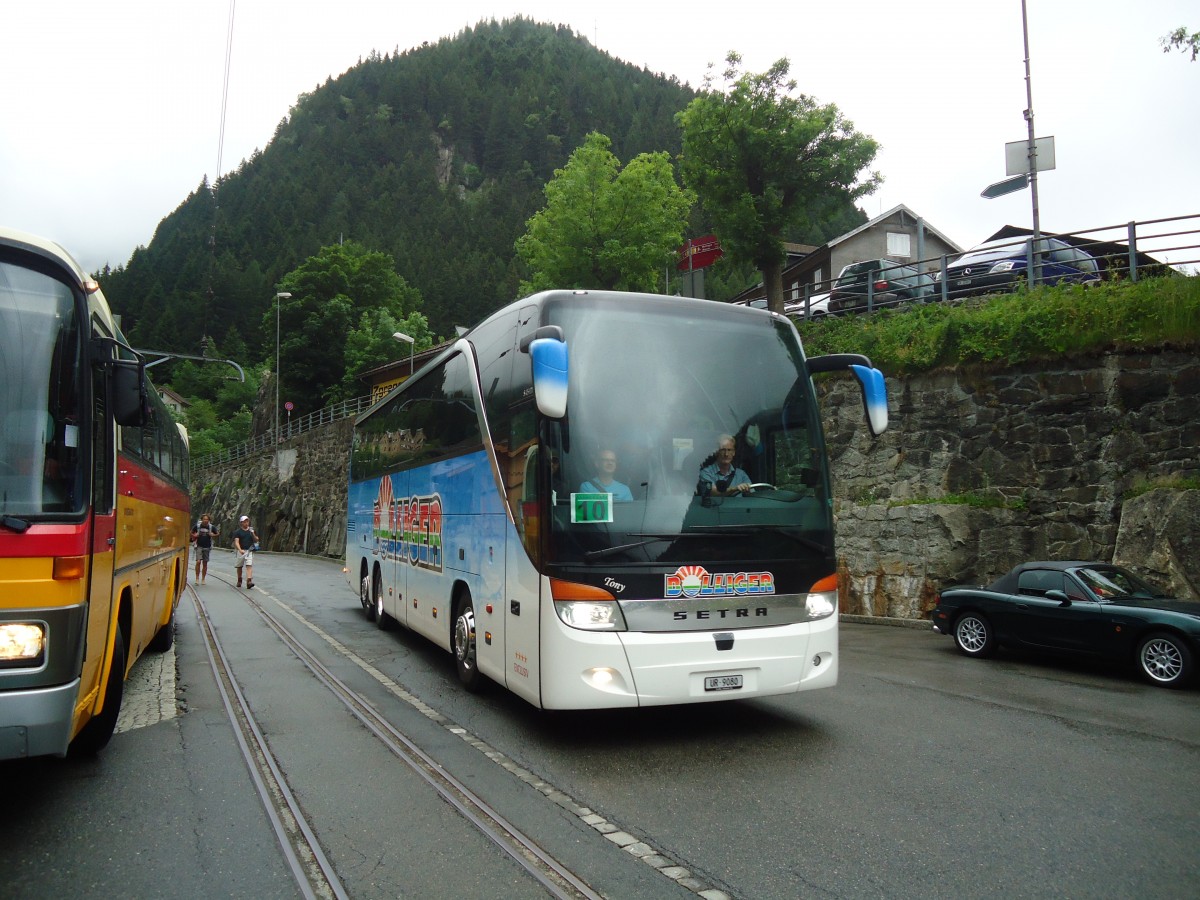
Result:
[
  {"x": 1007, "y": 186},
  {"x": 288, "y": 406},
  {"x": 699, "y": 253},
  {"x": 1016, "y": 155}
]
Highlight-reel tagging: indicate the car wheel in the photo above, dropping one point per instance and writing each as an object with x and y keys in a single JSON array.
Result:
[
  {"x": 366, "y": 599},
  {"x": 465, "y": 659},
  {"x": 1164, "y": 660},
  {"x": 974, "y": 636}
]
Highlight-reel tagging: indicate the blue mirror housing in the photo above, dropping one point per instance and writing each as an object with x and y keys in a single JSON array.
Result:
[
  {"x": 874, "y": 394},
  {"x": 549, "y": 357}
]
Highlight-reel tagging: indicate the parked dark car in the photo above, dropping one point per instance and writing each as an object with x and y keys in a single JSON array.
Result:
[
  {"x": 877, "y": 282},
  {"x": 1000, "y": 266},
  {"x": 1087, "y": 608}
]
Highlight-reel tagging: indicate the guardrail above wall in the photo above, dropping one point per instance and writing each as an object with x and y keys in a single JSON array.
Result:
[
  {"x": 332, "y": 413},
  {"x": 1132, "y": 251}
]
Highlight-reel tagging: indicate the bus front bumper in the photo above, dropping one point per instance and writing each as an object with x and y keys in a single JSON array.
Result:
[{"x": 37, "y": 722}]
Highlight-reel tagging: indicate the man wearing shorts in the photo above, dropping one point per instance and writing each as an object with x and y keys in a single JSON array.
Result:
[
  {"x": 202, "y": 536},
  {"x": 245, "y": 540}
]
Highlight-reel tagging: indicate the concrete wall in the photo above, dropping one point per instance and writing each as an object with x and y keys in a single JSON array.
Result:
[{"x": 1059, "y": 446}]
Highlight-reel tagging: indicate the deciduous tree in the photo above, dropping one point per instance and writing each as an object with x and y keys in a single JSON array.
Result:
[
  {"x": 329, "y": 293},
  {"x": 765, "y": 162},
  {"x": 603, "y": 226}
]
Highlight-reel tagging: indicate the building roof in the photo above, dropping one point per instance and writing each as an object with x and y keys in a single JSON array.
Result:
[
  {"x": 167, "y": 394},
  {"x": 901, "y": 210}
]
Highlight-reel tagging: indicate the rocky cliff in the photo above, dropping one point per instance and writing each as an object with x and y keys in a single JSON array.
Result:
[{"x": 979, "y": 470}]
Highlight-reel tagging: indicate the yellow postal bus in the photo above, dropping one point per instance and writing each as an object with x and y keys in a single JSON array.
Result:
[{"x": 93, "y": 507}]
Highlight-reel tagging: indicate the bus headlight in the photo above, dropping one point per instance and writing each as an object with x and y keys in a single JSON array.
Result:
[
  {"x": 821, "y": 604},
  {"x": 586, "y": 606},
  {"x": 591, "y": 615},
  {"x": 21, "y": 643}
]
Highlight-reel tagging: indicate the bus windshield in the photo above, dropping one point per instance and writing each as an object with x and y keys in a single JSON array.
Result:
[
  {"x": 634, "y": 470},
  {"x": 40, "y": 374}
]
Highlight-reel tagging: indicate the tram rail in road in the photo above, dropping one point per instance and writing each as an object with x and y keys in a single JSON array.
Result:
[{"x": 306, "y": 859}]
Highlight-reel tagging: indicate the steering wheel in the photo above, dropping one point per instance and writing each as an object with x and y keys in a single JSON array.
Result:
[{"x": 762, "y": 484}]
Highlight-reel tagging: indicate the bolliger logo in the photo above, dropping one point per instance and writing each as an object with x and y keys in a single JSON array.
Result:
[
  {"x": 696, "y": 581},
  {"x": 410, "y": 529}
]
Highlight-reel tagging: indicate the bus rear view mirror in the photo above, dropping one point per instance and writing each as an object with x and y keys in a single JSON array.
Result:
[
  {"x": 549, "y": 356},
  {"x": 870, "y": 381},
  {"x": 874, "y": 394},
  {"x": 128, "y": 393}
]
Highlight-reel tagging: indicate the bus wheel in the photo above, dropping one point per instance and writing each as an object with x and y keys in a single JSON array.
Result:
[
  {"x": 382, "y": 619},
  {"x": 164, "y": 638},
  {"x": 95, "y": 734},
  {"x": 464, "y": 644},
  {"x": 366, "y": 598}
]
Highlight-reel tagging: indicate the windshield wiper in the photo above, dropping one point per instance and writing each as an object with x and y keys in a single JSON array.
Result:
[
  {"x": 740, "y": 530},
  {"x": 13, "y": 523}
]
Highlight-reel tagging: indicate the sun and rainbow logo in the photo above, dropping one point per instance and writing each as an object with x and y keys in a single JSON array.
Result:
[{"x": 696, "y": 581}]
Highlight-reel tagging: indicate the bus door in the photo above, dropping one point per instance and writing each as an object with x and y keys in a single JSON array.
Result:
[
  {"x": 522, "y": 584},
  {"x": 103, "y": 534},
  {"x": 528, "y": 480},
  {"x": 392, "y": 565}
]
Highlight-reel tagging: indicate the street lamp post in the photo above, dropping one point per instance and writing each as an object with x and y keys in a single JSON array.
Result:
[
  {"x": 412, "y": 345},
  {"x": 283, "y": 295}
]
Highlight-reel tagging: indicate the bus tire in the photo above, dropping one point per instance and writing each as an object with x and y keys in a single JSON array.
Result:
[
  {"x": 465, "y": 657},
  {"x": 164, "y": 638},
  {"x": 96, "y": 734},
  {"x": 365, "y": 598},
  {"x": 382, "y": 619}
]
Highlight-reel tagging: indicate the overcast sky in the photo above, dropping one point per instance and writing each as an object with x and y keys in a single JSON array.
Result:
[{"x": 112, "y": 108}]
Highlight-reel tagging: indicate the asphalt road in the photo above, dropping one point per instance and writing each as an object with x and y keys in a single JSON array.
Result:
[{"x": 921, "y": 773}]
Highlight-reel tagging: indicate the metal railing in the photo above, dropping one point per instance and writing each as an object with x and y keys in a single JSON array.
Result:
[
  {"x": 1129, "y": 251},
  {"x": 332, "y": 413}
]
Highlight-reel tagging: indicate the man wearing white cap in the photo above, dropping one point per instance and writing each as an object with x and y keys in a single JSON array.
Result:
[{"x": 245, "y": 542}]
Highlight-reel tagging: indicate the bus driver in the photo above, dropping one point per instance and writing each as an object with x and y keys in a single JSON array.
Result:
[{"x": 721, "y": 478}]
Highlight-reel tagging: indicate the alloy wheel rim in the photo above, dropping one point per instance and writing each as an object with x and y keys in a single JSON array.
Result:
[
  {"x": 972, "y": 634},
  {"x": 464, "y": 638},
  {"x": 1161, "y": 660}
]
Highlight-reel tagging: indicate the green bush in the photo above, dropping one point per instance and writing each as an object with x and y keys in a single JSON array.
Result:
[{"x": 1043, "y": 323}]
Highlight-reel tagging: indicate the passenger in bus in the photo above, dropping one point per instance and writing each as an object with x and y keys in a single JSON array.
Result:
[
  {"x": 721, "y": 478},
  {"x": 604, "y": 481},
  {"x": 558, "y": 483}
]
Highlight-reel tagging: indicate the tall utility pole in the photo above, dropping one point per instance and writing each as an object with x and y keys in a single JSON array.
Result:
[
  {"x": 282, "y": 295},
  {"x": 1037, "y": 228}
]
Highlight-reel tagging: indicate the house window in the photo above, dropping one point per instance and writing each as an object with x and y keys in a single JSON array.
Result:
[{"x": 898, "y": 245}]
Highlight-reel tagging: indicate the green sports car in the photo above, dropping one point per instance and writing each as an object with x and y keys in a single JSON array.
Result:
[{"x": 1085, "y": 608}]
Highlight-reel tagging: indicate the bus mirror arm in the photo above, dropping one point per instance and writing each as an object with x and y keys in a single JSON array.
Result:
[
  {"x": 554, "y": 332},
  {"x": 126, "y": 381}
]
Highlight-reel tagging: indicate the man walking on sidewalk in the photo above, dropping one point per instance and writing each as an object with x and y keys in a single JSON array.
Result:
[
  {"x": 202, "y": 536},
  {"x": 245, "y": 542}
]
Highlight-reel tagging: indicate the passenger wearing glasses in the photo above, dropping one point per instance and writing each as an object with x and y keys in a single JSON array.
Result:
[
  {"x": 604, "y": 482},
  {"x": 722, "y": 478}
]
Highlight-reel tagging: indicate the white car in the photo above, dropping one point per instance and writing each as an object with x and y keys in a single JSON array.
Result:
[{"x": 818, "y": 308}]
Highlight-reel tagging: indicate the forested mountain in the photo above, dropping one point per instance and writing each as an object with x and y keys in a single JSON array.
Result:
[{"x": 436, "y": 155}]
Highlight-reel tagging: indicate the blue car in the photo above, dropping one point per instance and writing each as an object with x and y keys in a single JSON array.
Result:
[{"x": 1000, "y": 266}]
